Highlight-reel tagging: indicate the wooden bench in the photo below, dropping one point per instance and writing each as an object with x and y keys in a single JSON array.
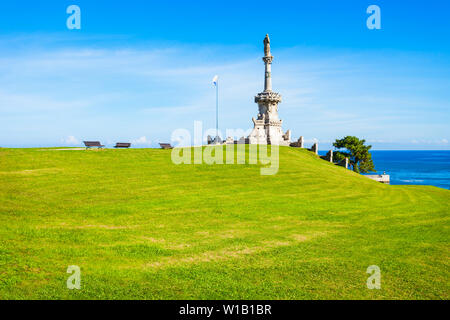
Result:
[
  {"x": 93, "y": 144},
  {"x": 166, "y": 146},
  {"x": 122, "y": 145}
]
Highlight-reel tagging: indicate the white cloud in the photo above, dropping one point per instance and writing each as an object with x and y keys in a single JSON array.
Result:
[
  {"x": 71, "y": 140},
  {"x": 429, "y": 141},
  {"x": 141, "y": 141},
  {"x": 313, "y": 140}
]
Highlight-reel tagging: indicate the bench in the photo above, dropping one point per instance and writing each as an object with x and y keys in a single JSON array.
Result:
[
  {"x": 93, "y": 144},
  {"x": 166, "y": 146},
  {"x": 122, "y": 145}
]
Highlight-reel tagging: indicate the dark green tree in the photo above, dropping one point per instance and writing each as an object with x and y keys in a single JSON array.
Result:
[{"x": 358, "y": 154}]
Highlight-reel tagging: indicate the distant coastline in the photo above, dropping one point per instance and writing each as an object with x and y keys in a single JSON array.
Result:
[{"x": 413, "y": 167}]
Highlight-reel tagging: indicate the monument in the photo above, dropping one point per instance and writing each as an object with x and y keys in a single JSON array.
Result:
[{"x": 267, "y": 126}]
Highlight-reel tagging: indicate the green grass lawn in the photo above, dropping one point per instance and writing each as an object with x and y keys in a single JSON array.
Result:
[{"x": 141, "y": 227}]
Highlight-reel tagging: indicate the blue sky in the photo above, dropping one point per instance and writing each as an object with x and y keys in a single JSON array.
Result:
[{"x": 138, "y": 70}]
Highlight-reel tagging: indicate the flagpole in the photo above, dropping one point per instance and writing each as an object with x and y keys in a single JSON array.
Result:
[{"x": 217, "y": 111}]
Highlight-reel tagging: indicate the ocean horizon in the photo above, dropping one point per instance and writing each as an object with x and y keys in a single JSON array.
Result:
[{"x": 413, "y": 167}]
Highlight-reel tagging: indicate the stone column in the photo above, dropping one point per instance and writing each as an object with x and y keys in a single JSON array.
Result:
[
  {"x": 315, "y": 148},
  {"x": 300, "y": 142},
  {"x": 331, "y": 156},
  {"x": 346, "y": 163},
  {"x": 268, "y": 76}
]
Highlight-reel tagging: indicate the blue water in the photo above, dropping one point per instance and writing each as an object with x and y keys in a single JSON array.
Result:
[{"x": 414, "y": 167}]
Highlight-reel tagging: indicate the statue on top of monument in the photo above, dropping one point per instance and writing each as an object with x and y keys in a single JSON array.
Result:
[{"x": 267, "y": 46}]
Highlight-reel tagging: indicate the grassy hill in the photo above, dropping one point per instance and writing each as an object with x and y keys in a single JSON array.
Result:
[{"x": 141, "y": 227}]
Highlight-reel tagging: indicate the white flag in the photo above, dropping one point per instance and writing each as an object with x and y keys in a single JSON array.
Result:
[{"x": 215, "y": 79}]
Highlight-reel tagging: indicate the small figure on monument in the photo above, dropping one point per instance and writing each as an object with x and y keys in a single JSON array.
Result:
[{"x": 267, "y": 46}]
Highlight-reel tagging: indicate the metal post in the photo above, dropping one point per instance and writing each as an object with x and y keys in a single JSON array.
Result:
[{"x": 217, "y": 111}]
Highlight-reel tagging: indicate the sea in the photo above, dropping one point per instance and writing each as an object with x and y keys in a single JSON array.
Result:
[{"x": 428, "y": 167}]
